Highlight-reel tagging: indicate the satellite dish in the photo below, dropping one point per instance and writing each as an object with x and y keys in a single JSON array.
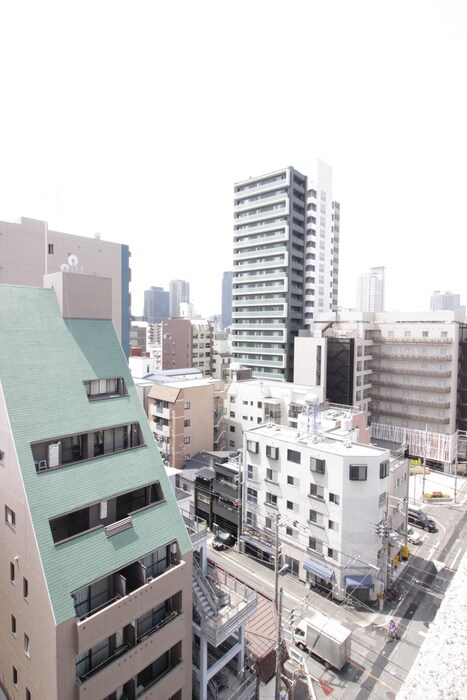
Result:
[
  {"x": 65, "y": 268},
  {"x": 73, "y": 260}
]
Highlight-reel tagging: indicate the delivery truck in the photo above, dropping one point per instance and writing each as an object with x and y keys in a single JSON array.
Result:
[{"x": 324, "y": 638}]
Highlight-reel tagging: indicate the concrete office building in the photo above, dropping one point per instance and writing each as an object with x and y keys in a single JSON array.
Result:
[
  {"x": 370, "y": 290},
  {"x": 156, "y": 305},
  {"x": 446, "y": 301},
  {"x": 406, "y": 371},
  {"x": 179, "y": 292},
  {"x": 326, "y": 494},
  {"x": 227, "y": 299},
  {"x": 286, "y": 242},
  {"x": 187, "y": 342},
  {"x": 97, "y": 584},
  {"x": 29, "y": 250}
]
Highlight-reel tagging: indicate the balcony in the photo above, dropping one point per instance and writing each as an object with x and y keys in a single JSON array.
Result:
[
  {"x": 223, "y": 604},
  {"x": 415, "y": 372},
  {"x": 410, "y": 387},
  {"x": 281, "y": 261},
  {"x": 421, "y": 417},
  {"x": 160, "y": 429},
  {"x": 160, "y": 412},
  {"x": 197, "y": 528},
  {"x": 422, "y": 357},
  {"x": 414, "y": 341},
  {"x": 410, "y": 401}
]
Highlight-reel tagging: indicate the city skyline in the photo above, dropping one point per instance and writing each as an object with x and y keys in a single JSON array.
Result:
[{"x": 100, "y": 152}]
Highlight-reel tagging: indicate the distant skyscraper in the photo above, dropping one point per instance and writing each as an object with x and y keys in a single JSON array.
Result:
[
  {"x": 370, "y": 290},
  {"x": 286, "y": 243},
  {"x": 227, "y": 299},
  {"x": 156, "y": 305},
  {"x": 179, "y": 291},
  {"x": 446, "y": 302}
]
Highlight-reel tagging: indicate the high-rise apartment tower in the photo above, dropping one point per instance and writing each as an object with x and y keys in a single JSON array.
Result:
[
  {"x": 156, "y": 305},
  {"x": 370, "y": 290},
  {"x": 286, "y": 242},
  {"x": 227, "y": 299}
]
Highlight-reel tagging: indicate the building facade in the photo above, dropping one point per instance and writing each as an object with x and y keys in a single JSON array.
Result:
[
  {"x": 406, "y": 371},
  {"x": 226, "y": 299},
  {"x": 179, "y": 292},
  {"x": 370, "y": 290},
  {"x": 186, "y": 417},
  {"x": 156, "y": 305},
  {"x": 321, "y": 495},
  {"x": 97, "y": 594},
  {"x": 286, "y": 243},
  {"x": 187, "y": 342},
  {"x": 29, "y": 250},
  {"x": 446, "y": 301}
]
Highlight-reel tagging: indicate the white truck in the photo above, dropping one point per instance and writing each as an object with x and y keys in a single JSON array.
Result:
[{"x": 325, "y": 638}]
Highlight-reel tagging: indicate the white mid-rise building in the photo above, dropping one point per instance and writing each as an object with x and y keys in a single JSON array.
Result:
[
  {"x": 370, "y": 290},
  {"x": 332, "y": 500}
]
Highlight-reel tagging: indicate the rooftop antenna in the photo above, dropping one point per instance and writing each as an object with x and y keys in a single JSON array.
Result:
[{"x": 312, "y": 412}]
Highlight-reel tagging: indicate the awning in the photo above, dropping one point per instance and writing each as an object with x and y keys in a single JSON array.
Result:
[
  {"x": 358, "y": 581},
  {"x": 253, "y": 542},
  {"x": 318, "y": 569}
]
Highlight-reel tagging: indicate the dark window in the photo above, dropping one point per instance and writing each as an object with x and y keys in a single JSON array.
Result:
[
  {"x": 334, "y": 498},
  {"x": 15, "y": 676},
  {"x": 317, "y": 465},
  {"x": 187, "y": 422},
  {"x": 25, "y": 588},
  {"x": 13, "y": 624},
  {"x": 293, "y": 456},
  {"x": 272, "y": 452},
  {"x": 232, "y": 428},
  {"x": 12, "y": 572},
  {"x": 384, "y": 469},
  {"x": 313, "y": 516},
  {"x": 271, "y": 499},
  {"x": 50, "y": 248},
  {"x": 10, "y": 517},
  {"x": 357, "y": 472},
  {"x": 290, "y": 480},
  {"x": 187, "y": 405}
]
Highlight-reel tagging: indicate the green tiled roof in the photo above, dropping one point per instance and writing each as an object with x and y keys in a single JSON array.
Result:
[{"x": 44, "y": 361}]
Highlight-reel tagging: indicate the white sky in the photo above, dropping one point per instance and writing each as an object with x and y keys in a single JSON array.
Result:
[{"x": 134, "y": 119}]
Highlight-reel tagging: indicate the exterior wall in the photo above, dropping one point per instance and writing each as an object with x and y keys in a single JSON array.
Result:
[
  {"x": 33, "y": 617},
  {"x": 179, "y": 292},
  {"x": 227, "y": 299},
  {"x": 362, "y": 504},
  {"x": 177, "y": 343},
  {"x": 81, "y": 296},
  {"x": 310, "y": 360},
  {"x": 156, "y": 305},
  {"x": 25, "y": 261}
]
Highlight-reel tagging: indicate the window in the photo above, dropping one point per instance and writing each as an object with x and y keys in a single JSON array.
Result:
[
  {"x": 107, "y": 388},
  {"x": 13, "y": 624},
  {"x": 260, "y": 404},
  {"x": 444, "y": 334},
  {"x": 232, "y": 443},
  {"x": 271, "y": 499},
  {"x": 272, "y": 452},
  {"x": 249, "y": 471},
  {"x": 232, "y": 414},
  {"x": 50, "y": 248},
  {"x": 25, "y": 588},
  {"x": 317, "y": 465},
  {"x": 316, "y": 491},
  {"x": 252, "y": 446},
  {"x": 332, "y": 525},
  {"x": 268, "y": 523},
  {"x": 232, "y": 428},
  {"x": 270, "y": 475},
  {"x": 232, "y": 399},
  {"x": 252, "y": 496},
  {"x": 384, "y": 469},
  {"x": 251, "y": 519},
  {"x": 313, "y": 518},
  {"x": 187, "y": 423},
  {"x": 424, "y": 334},
  {"x": 332, "y": 553},
  {"x": 12, "y": 572},
  {"x": 186, "y": 440},
  {"x": 290, "y": 532},
  {"x": 293, "y": 566},
  {"x": 28, "y": 694},
  {"x": 15, "y": 676},
  {"x": 290, "y": 505},
  {"x": 290, "y": 480},
  {"x": 357, "y": 472},
  {"x": 2, "y": 457},
  {"x": 382, "y": 499},
  {"x": 334, "y": 498},
  {"x": 10, "y": 517},
  {"x": 293, "y": 456},
  {"x": 187, "y": 405},
  {"x": 26, "y": 645}
]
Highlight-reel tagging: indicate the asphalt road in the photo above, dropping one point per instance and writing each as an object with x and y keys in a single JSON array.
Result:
[{"x": 378, "y": 668}]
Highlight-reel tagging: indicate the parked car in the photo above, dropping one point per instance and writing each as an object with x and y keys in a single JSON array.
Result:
[
  {"x": 413, "y": 537},
  {"x": 421, "y": 519},
  {"x": 224, "y": 540}
]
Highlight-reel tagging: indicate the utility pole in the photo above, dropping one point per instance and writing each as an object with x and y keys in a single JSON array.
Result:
[
  {"x": 276, "y": 565},
  {"x": 279, "y": 646}
]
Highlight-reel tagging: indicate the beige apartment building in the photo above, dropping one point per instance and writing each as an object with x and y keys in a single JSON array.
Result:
[
  {"x": 29, "y": 250},
  {"x": 186, "y": 417},
  {"x": 96, "y": 589},
  {"x": 187, "y": 342}
]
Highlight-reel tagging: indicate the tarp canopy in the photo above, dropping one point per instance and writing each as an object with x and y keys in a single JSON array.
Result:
[
  {"x": 359, "y": 581},
  {"x": 318, "y": 569}
]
